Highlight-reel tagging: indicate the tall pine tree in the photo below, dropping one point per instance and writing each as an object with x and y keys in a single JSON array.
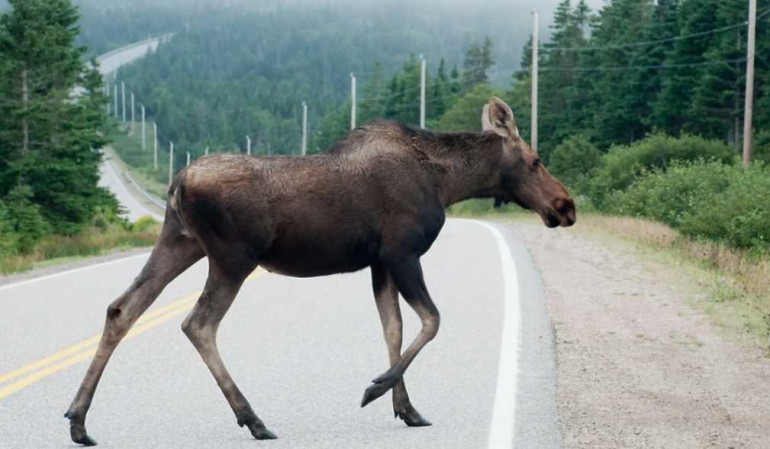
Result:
[{"x": 51, "y": 136}]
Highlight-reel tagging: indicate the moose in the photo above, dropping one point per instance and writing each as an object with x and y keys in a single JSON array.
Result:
[{"x": 376, "y": 199}]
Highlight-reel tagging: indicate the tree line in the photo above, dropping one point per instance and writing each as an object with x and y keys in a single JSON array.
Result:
[
  {"x": 639, "y": 67},
  {"x": 52, "y": 125}
]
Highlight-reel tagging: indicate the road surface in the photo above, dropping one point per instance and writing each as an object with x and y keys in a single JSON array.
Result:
[{"x": 302, "y": 350}]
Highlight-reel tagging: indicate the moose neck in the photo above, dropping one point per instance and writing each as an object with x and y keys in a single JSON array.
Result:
[{"x": 468, "y": 164}]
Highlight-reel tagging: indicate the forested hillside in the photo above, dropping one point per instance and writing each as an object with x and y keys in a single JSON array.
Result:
[{"x": 244, "y": 68}]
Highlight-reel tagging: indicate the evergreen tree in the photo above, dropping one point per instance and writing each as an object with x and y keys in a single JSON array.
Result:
[
  {"x": 672, "y": 107},
  {"x": 478, "y": 60},
  {"x": 562, "y": 104},
  {"x": 620, "y": 25},
  {"x": 373, "y": 104},
  {"x": 646, "y": 82},
  {"x": 51, "y": 139},
  {"x": 716, "y": 109}
]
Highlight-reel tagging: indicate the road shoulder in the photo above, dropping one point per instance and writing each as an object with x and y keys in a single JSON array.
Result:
[{"x": 637, "y": 365}]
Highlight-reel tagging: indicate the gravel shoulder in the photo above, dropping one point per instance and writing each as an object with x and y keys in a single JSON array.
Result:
[{"x": 637, "y": 364}]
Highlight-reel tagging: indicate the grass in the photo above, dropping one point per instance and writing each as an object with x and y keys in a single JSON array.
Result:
[{"x": 94, "y": 241}]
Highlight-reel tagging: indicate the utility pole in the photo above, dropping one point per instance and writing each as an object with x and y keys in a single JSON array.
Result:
[
  {"x": 132, "y": 113},
  {"x": 155, "y": 147},
  {"x": 144, "y": 132},
  {"x": 123, "y": 86},
  {"x": 248, "y": 145},
  {"x": 171, "y": 164},
  {"x": 304, "y": 128},
  {"x": 748, "y": 108},
  {"x": 107, "y": 91},
  {"x": 188, "y": 158},
  {"x": 422, "y": 92},
  {"x": 535, "y": 56},
  {"x": 116, "y": 100},
  {"x": 352, "y": 101},
  {"x": 207, "y": 151}
]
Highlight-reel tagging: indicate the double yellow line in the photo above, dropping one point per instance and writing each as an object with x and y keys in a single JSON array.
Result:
[{"x": 29, "y": 374}]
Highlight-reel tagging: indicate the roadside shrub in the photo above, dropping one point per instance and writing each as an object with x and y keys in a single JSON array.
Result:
[
  {"x": 740, "y": 215},
  {"x": 573, "y": 161},
  {"x": 622, "y": 165},
  {"x": 8, "y": 238},
  {"x": 145, "y": 224},
  {"x": 703, "y": 199},
  {"x": 25, "y": 219}
]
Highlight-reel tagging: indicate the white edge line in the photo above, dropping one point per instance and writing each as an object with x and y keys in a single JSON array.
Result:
[
  {"x": 74, "y": 270},
  {"x": 503, "y": 424}
]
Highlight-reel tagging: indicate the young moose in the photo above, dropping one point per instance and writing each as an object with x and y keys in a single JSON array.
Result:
[{"x": 376, "y": 199}]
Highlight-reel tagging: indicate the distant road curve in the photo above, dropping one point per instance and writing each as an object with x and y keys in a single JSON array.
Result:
[
  {"x": 111, "y": 176},
  {"x": 109, "y": 62}
]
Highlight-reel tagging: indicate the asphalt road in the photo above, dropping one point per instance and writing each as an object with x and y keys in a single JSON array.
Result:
[{"x": 302, "y": 350}]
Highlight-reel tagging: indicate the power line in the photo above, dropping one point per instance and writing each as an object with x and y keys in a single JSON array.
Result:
[
  {"x": 655, "y": 42},
  {"x": 640, "y": 67}
]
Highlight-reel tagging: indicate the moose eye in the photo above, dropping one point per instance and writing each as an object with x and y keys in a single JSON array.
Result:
[{"x": 536, "y": 163}]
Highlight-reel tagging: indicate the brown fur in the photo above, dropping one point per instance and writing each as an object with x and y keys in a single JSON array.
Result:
[{"x": 376, "y": 199}]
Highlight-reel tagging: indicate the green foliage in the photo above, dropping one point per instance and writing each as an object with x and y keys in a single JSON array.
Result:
[
  {"x": 465, "y": 114},
  {"x": 9, "y": 239},
  {"x": 573, "y": 162},
  {"x": 144, "y": 224},
  {"x": 24, "y": 223},
  {"x": 761, "y": 150},
  {"x": 478, "y": 60},
  {"x": 624, "y": 163},
  {"x": 704, "y": 199},
  {"x": 49, "y": 162}
]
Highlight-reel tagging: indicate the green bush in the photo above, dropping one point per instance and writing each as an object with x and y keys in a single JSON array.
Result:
[
  {"x": 622, "y": 165},
  {"x": 24, "y": 219},
  {"x": 144, "y": 224},
  {"x": 9, "y": 239},
  {"x": 703, "y": 199},
  {"x": 573, "y": 161}
]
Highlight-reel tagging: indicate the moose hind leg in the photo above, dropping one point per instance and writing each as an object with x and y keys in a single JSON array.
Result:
[
  {"x": 386, "y": 297},
  {"x": 172, "y": 255},
  {"x": 201, "y": 326},
  {"x": 407, "y": 275}
]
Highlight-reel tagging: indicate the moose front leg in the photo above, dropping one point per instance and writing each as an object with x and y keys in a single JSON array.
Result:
[{"x": 386, "y": 297}]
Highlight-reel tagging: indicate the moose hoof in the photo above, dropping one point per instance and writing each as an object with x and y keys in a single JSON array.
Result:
[
  {"x": 258, "y": 430},
  {"x": 78, "y": 433},
  {"x": 413, "y": 419},
  {"x": 379, "y": 387}
]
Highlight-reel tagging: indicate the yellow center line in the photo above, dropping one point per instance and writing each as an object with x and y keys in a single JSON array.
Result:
[{"x": 87, "y": 348}]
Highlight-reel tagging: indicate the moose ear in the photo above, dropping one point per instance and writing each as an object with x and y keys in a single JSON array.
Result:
[
  {"x": 485, "y": 124},
  {"x": 498, "y": 117}
]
